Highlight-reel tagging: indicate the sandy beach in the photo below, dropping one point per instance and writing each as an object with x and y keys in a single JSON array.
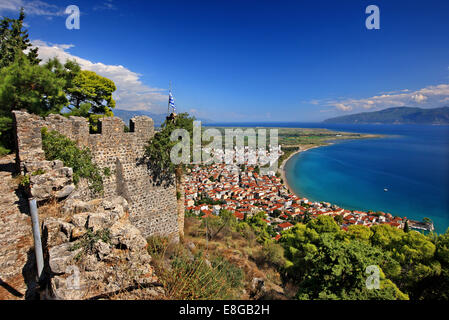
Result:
[{"x": 282, "y": 167}]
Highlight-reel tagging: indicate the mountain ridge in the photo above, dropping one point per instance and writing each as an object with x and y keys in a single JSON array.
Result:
[
  {"x": 158, "y": 119},
  {"x": 396, "y": 115},
  {"x": 126, "y": 115}
]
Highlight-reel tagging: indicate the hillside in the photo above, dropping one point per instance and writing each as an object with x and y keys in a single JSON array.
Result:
[{"x": 397, "y": 115}]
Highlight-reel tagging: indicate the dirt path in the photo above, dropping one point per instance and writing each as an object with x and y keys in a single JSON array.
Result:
[{"x": 16, "y": 240}]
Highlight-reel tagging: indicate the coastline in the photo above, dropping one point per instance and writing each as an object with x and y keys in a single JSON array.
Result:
[{"x": 282, "y": 167}]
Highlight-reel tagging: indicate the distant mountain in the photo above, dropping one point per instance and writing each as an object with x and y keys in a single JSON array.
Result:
[
  {"x": 126, "y": 115},
  {"x": 158, "y": 119},
  {"x": 397, "y": 115}
]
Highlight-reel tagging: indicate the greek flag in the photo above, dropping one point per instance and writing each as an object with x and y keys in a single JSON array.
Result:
[{"x": 171, "y": 101}]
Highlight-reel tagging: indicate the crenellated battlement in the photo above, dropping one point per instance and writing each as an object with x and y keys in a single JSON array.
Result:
[
  {"x": 152, "y": 205},
  {"x": 77, "y": 128}
]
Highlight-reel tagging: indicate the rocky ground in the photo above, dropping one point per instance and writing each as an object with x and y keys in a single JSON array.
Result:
[
  {"x": 93, "y": 252},
  {"x": 16, "y": 239}
]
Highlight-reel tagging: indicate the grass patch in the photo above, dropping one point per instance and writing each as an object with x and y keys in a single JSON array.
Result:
[
  {"x": 38, "y": 172},
  {"x": 193, "y": 276}
]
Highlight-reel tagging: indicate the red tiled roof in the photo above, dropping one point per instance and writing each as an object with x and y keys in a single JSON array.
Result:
[
  {"x": 285, "y": 225},
  {"x": 239, "y": 215}
]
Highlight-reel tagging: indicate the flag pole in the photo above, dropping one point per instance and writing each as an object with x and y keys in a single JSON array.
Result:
[{"x": 168, "y": 104}]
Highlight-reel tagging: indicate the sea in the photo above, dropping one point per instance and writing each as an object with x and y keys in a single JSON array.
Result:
[{"x": 405, "y": 173}]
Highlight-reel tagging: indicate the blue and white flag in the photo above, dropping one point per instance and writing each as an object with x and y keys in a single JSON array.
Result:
[{"x": 171, "y": 101}]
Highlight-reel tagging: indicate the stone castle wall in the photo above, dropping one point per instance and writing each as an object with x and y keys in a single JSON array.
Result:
[{"x": 153, "y": 206}]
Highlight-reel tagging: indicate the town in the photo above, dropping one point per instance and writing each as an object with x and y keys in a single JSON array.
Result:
[{"x": 242, "y": 190}]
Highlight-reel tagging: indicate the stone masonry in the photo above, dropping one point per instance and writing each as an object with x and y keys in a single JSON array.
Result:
[{"x": 153, "y": 205}]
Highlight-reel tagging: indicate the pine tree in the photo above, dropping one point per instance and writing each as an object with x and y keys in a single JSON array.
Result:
[
  {"x": 27, "y": 86},
  {"x": 34, "y": 88},
  {"x": 406, "y": 227},
  {"x": 14, "y": 40}
]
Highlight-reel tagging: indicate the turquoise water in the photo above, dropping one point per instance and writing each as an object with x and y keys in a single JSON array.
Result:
[{"x": 412, "y": 163}]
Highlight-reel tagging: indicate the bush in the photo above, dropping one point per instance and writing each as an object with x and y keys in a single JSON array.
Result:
[
  {"x": 38, "y": 172},
  {"x": 246, "y": 231},
  {"x": 4, "y": 151},
  {"x": 88, "y": 241},
  {"x": 273, "y": 254},
  {"x": 58, "y": 146},
  {"x": 107, "y": 172},
  {"x": 6, "y": 136},
  {"x": 24, "y": 181}
]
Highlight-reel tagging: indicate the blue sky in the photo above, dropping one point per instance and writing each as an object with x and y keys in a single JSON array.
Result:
[{"x": 245, "y": 60}]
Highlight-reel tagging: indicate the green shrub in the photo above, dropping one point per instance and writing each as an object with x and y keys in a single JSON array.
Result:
[
  {"x": 88, "y": 240},
  {"x": 107, "y": 172},
  {"x": 38, "y": 172},
  {"x": 58, "y": 146},
  {"x": 273, "y": 254},
  {"x": 24, "y": 181},
  {"x": 4, "y": 151},
  {"x": 6, "y": 135}
]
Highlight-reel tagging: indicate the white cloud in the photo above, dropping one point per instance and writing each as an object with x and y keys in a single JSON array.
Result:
[
  {"x": 131, "y": 93},
  {"x": 31, "y": 7},
  {"x": 419, "y": 97},
  {"x": 342, "y": 107},
  {"x": 428, "y": 97},
  {"x": 106, "y": 5}
]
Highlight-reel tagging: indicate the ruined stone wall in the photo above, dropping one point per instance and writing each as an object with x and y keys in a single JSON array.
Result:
[{"x": 153, "y": 207}]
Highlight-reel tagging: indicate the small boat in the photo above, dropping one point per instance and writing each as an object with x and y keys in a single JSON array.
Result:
[{"x": 385, "y": 189}]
